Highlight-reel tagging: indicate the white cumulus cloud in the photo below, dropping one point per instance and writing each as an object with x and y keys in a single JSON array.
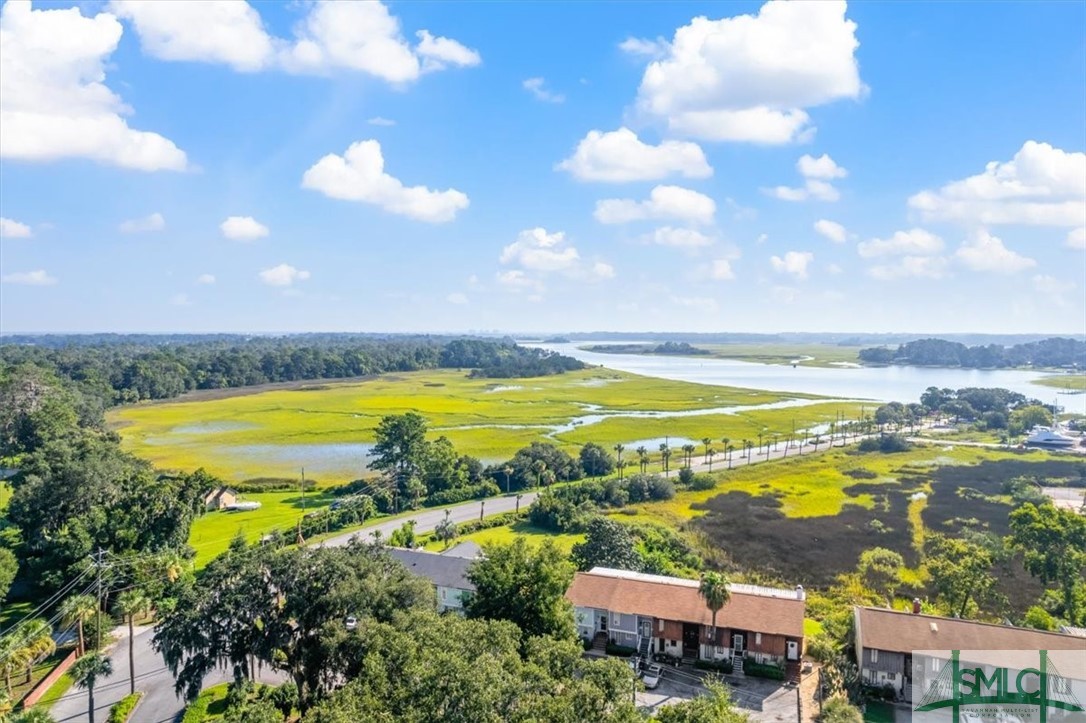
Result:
[
  {"x": 537, "y": 87},
  {"x": 354, "y": 36},
  {"x": 538, "y": 253},
  {"x": 915, "y": 242},
  {"x": 29, "y": 278},
  {"x": 793, "y": 263},
  {"x": 985, "y": 252},
  {"x": 283, "y": 275},
  {"x": 359, "y": 175},
  {"x": 10, "y": 228},
  {"x": 721, "y": 270},
  {"x": 620, "y": 155},
  {"x": 205, "y": 279},
  {"x": 243, "y": 228},
  {"x": 663, "y": 202},
  {"x": 644, "y": 47},
  {"x": 54, "y": 102},
  {"x": 1076, "y": 239},
  {"x": 1040, "y": 186},
  {"x": 153, "y": 222},
  {"x": 817, "y": 172},
  {"x": 683, "y": 238},
  {"x": 921, "y": 267},
  {"x": 749, "y": 77},
  {"x": 832, "y": 230}
]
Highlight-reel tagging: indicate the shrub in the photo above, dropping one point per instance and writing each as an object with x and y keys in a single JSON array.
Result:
[
  {"x": 839, "y": 710},
  {"x": 686, "y": 477},
  {"x": 720, "y": 666},
  {"x": 763, "y": 670},
  {"x": 459, "y": 494},
  {"x": 887, "y": 444},
  {"x": 272, "y": 484},
  {"x": 702, "y": 482},
  {"x": 123, "y": 708},
  {"x": 91, "y": 627},
  {"x": 505, "y": 518},
  {"x": 860, "y": 473},
  {"x": 623, "y": 651},
  {"x": 660, "y": 488}
]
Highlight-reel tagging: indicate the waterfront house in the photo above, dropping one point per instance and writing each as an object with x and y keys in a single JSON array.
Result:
[
  {"x": 887, "y": 639},
  {"x": 220, "y": 498},
  {"x": 667, "y": 615},
  {"x": 448, "y": 573}
]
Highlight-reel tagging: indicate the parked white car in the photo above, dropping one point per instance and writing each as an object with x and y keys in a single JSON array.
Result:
[
  {"x": 651, "y": 678},
  {"x": 351, "y": 622}
]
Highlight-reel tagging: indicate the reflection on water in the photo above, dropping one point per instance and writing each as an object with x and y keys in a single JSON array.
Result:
[
  {"x": 317, "y": 459},
  {"x": 892, "y": 383}
]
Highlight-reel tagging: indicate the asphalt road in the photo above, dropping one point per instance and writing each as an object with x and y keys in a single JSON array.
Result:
[
  {"x": 427, "y": 520},
  {"x": 159, "y": 703}
]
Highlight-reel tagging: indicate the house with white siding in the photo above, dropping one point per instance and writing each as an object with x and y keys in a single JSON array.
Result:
[{"x": 659, "y": 614}]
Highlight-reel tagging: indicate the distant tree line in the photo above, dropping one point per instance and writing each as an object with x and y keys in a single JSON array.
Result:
[
  {"x": 676, "y": 348},
  {"x": 120, "y": 369},
  {"x": 1054, "y": 352}
]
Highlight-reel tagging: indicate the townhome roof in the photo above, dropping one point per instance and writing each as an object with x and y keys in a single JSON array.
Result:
[
  {"x": 764, "y": 610},
  {"x": 442, "y": 570},
  {"x": 902, "y": 632}
]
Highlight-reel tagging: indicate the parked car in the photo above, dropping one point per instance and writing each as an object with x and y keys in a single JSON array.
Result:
[
  {"x": 351, "y": 622},
  {"x": 651, "y": 678}
]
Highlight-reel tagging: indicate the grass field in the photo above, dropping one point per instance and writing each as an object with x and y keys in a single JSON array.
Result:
[
  {"x": 327, "y": 428},
  {"x": 211, "y": 533},
  {"x": 814, "y": 355},
  {"x": 1073, "y": 382},
  {"x": 506, "y": 534}
]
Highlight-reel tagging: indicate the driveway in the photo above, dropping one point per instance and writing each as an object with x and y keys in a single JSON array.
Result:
[{"x": 764, "y": 701}]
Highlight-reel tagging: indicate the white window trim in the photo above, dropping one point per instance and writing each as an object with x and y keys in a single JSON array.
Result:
[{"x": 874, "y": 655}]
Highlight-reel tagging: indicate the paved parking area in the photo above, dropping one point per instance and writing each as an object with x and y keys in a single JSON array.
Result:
[{"x": 765, "y": 701}]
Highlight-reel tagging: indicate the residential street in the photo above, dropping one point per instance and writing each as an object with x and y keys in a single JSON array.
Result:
[{"x": 159, "y": 704}]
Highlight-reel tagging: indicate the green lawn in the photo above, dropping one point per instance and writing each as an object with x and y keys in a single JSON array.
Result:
[
  {"x": 5, "y": 495},
  {"x": 324, "y": 427},
  {"x": 506, "y": 534},
  {"x": 211, "y": 533},
  {"x": 1076, "y": 382}
]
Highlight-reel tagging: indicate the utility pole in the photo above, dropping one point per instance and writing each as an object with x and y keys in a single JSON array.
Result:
[
  {"x": 303, "y": 491},
  {"x": 99, "y": 560}
]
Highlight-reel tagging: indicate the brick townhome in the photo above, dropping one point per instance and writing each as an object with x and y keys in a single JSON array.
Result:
[
  {"x": 667, "y": 615},
  {"x": 886, "y": 639}
]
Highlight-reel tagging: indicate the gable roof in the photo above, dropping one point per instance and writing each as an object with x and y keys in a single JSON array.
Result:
[
  {"x": 441, "y": 570},
  {"x": 467, "y": 549},
  {"x": 763, "y": 610},
  {"x": 902, "y": 632}
]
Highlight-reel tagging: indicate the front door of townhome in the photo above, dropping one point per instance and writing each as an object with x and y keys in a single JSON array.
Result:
[
  {"x": 646, "y": 628},
  {"x": 737, "y": 643},
  {"x": 793, "y": 650},
  {"x": 603, "y": 623}
]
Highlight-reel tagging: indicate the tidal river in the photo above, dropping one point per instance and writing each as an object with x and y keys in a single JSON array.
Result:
[{"x": 892, "y": 383}]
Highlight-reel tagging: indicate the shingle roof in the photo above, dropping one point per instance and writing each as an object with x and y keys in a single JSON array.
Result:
[
  {"x": 467, "y": 549},
  {"x": 441, "y": 570},
  {"x": 902, "y": 632},
  {"x": 673, "y": 598}
]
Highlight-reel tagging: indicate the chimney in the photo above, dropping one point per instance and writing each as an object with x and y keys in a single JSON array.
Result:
[
  {"x": 916, "y": 606},
  {"x": 800, "y": 594}
]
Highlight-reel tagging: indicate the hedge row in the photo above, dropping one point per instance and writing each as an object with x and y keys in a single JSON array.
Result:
[
  {"x": 720, "y": 666},
  {"x": 763, "y": 670},
  {"x": 122, "y": 709}
]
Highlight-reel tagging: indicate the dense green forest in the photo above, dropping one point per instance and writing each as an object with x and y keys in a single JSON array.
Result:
[
  {"x": 127, "y": 368},
  {"x": 1054, "y": 352}
]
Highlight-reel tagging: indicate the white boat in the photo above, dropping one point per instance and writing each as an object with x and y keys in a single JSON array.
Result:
[{"x": 1048, "y": 437}]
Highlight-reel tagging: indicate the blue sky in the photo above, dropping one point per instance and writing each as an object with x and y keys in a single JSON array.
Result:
[{"x": 543, "y": 167}]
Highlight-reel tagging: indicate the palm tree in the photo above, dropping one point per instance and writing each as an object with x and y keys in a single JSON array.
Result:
[
  {"x": 710, "y": 453},
  {"x": 622, "y": 463},
  {"x": 131, "y": 603},
  {"x": 643, "y": 458},
  {"x": 746, "y": 448},
  {"x": 665, "y": 453},
  {"x": 816, "y": 440},
  {"x": 86, "y": 671},
  {"x": 507, "y": 470},
  {"x": 714, "y": 588},
  {"x": 538, "y": 467},
  {"x": 446, "y": 530},
  {"x": 34, "y": 715},
  {"x": 618, "y": 453},
  {"x": 688, "y": 453},
  {"x": 519, "y": 495},
  {"x": 726, "y": 441},
  {"x": 36, "y": 642},
  {"x": 705, "y": 441},
  {"x": 750, "y": 447},
  {"x": 10, "y": 657},
  {"x": 78, "y": 609}
]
